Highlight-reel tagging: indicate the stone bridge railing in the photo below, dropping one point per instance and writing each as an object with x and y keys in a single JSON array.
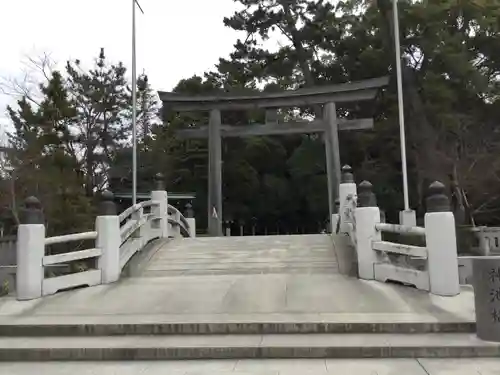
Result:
[
  {"x": 430, "y": 263},
  {"x": 115, "y": 239}
]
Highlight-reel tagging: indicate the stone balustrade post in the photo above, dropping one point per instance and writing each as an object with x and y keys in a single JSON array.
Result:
[
  {"x": 334, "y": 223},
  {"x": 160, "y": 211},
  {"x": 241, "y": 224},
  {"x": 347, "y": 187},
  {"x": 254, "y": 225},
  {"x": 30, "y": 249},
  {"x": 189, "y": 215},
  {"x": 367, "y": 215},
  {"x": 137, "y": 215},
  {"x": 227, "y": 227},
  {"x": 176, "y": 229},
  {"x": 441, "y": 242},
  {"x": 107, "y": 225}
]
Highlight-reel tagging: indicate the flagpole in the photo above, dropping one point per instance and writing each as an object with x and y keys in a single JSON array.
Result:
[
  {"x": 134, "y": 111},
  {"x": 134, "y": 103},
  {"x": 402, "y": 136}
]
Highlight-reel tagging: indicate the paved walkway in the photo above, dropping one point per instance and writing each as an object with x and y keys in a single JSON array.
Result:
[
  {"x": 246, "y": 279},
  {"x": 264, "y": 367},
  {"x": 245, "y": 255}
]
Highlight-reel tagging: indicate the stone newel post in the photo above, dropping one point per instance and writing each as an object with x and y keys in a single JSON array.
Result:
[
  {"x": 441, "y": 242},
  {"x": 367, "y": 215},
  {"x": 347, "y": 187},
  {"x": 334, "y": 223},
  {"x": 189, "y": 215},
  {"x": 107, "y": 225},
  {"x": 30, "y": 250},
  {"x": 161, "y": 210}
]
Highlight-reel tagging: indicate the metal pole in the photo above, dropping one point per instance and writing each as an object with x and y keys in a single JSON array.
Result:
[
  {"x": 134, "y": 112},
  {"x": 402, "y": 136}
]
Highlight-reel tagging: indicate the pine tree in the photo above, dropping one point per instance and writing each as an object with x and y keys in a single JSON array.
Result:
[
  {"x": 102, "y": 99},
  {"x": 45, "y": 161}
]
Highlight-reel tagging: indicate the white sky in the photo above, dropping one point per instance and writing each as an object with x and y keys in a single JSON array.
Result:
[{"x": 175, "y": 38}]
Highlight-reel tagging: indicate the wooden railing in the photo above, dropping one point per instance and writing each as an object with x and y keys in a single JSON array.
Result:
[{"x": 115, "y": 240}]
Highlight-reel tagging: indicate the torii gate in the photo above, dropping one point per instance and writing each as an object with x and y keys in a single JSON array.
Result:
[{"x": 327, "y": 96}]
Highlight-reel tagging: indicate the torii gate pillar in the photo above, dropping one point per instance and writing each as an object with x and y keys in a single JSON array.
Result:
[
  {"x": 214, "y": 174},
  {"x": 332, "y": 154}
]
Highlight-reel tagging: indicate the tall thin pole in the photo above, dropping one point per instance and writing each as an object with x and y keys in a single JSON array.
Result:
[
  {"x": 134, "y": 109},
  {"x": 134, "y": 112},
  {"x": 402, "y": 136}
]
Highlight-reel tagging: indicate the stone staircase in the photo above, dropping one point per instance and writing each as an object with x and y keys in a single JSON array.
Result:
[
  {"x": 241, "y": 298},
  {"x": 241, "y": 341}
]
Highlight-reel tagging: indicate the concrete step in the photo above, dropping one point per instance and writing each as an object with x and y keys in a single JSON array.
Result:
[
  {"x": 235, "y": 328},
  {"x": 123, "y": 348},
  {"x": 390, "y": 366}
]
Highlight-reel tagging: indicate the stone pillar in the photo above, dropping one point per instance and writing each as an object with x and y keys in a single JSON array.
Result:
[
  {"x": 335, "y": 221},
  {"x": 408, "y": 218},
  {"x": 214, "y": 174},
  {"x": 161, "y": 210},
  {"x": 227, "y": 228},
  {"x": 254, "y": 225},
  {"x": 441, "y": 242},
  {"x": 367, "y": 215},
  {"x": 241, "y": 224},
  {"x": 486, "y": 282},
  {"x": 107, "y": 225},
  {"x": 347, "y": 188},
  {"x": 30, "y": 249},
  {"x": 332, "y": 155},
  {"x": 175, "y": 230},
  {"x": 189, "y": 215}
]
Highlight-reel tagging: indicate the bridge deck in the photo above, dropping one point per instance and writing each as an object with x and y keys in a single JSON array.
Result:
[
  {"x": 282, "y": 279},
  {"x": 245, "y": 255}
]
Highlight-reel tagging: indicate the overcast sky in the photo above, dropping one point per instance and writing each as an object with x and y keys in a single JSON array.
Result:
[{"x": 175, "y": 39}]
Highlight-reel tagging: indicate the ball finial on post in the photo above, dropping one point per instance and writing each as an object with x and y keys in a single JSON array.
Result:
[
  {"x": 366, "y": 196},
  {"x": 107, "y": 206},
  {"x": 32, "y": 212},
  {"x": 347, "y": 175},
  {"x": 437, "y": 200},
  {"x": 159, "y": 182}
]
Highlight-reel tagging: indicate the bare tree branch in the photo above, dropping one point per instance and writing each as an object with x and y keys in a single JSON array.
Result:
[{"x": 27, "y": 83}]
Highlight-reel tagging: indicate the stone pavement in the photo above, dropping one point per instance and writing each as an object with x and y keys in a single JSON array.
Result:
[{"x": 425, "y": 366}]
